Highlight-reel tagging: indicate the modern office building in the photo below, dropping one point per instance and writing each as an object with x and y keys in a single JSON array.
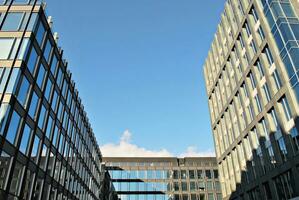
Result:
[
  {"x": 47, "y": 147},
  {"x": 165, "y": 178},
  {"x": 252, "y": 84}
]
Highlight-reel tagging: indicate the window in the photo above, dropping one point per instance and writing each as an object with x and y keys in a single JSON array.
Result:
[
  {"x": 241, "y": 42},
  {"x": 23, "y": 92},
  {"x": 24, "y": 146},
  {"x": 216, "y": 174},
  {"x": 12, "y": 22},
  {"x": 41, "y": 76},
  {"x": 183, "y": 174},
  {"x": 176, "y": 186},
  {"x": 208, "y": 174},
  {"x": 16, "y": 179},
  {"x": 200, "y": 174},
  {"x": 267, "y": 191},
  {"x": 40, "y": 33},
  {"x": 12, "y": 80},
  {"x": 202, "y": 196},
  {"x": 277, "y": 79},
  {"x": 252, "y": 80},
  {"x": 191, "y": 174},
  {"x": 253, "y": 46},
  {"x": 274, "y": 118},
  {"x": 217, "y": 186},
  {"x": 35, "y": 148},
  {"x": 264, "y": 129},
  {"x": 6, "y": 45},
  {"x": 284, "y": 186},
  {"x": 254, "y": 14},
  {"x": 209, "y": 185},
  {"x": 261, "y": 33},
  {"x": 286, "y": 108},
  {"x": 210, "y": 196},
  {"x": 54, "y": 65},
  {"x": 48, "y": 90},
  {"x": 42, "y": 117},
  {"x": 21, "y": 2},
  {"x": 49, "y": 127},
  {"x": 4, "y": 107},
  {"x": 192, "y": 186},
  {"x": 295, "y": 137},
  {"x": 4, "y": 169},
  {"x": 32, "y": 22},
  {"x": 258, "y": 103},
  {"x": 33, "y": 105},
  {"x": 14, "y": 126},
  {"x": 271, "y": 155},
  {"x": 32, "y": 60},
  {"x": 184, "y": 186},
  {"x": 247, "y": 29},
  {"x": 48, "y": 50},
  {"x": 260, "y": 68},
  {"x": 269, "y": 56},
  {"x": 175, "y": 174},
  {"x": 282, "y": 148},
  {"x": 266, "y": 91}
]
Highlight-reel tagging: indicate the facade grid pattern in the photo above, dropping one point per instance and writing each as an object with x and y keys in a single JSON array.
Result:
[
  {"x": 165, "y": 178},
  {"x": 47, "y": 147},
  {"x": 251, "y": 80}
]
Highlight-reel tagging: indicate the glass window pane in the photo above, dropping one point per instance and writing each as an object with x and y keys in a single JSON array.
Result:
[
  {"x": 5, "y": 47},
  {"x": 40, "y": 33},
  {"x": 24, "y": 146},
  {"x": 35, "y": 147},
  {"x": 32, "y": 22},
  {"x": 42, "y": 117},
  {"x": 33, "y": 105},
  {"x": 31, "y": 63},
  {"x": 12, "y": 80},
  {"x": 23, "y": 48},
  {"x": 41, "y": 76},
  {"x": 16, "y": 179},
  {"x": 47, "y": 50},
  {"x": 23, "y": 92},
  {"x": 12, "y": 22},
  {"x": 4, "y": 170},
  {"x": 13, "y": 127},
  {"x": 3, "y": 116}
]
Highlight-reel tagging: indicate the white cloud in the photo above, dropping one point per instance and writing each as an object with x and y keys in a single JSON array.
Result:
[
  {"x": 193, "y": 152},
  {"x": 125, "y": 148}
]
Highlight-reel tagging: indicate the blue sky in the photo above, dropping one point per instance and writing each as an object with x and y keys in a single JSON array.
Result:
[{"x": 138, "y": 67}]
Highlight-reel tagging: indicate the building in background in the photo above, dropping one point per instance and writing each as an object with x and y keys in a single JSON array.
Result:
[
  {"x": 47, "y": 147},
  {"x": 165, "y": 178},
  {"x": 252, "y": 84}
]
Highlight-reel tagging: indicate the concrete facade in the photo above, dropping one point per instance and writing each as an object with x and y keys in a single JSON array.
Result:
[{"x": 251, "y": 75}]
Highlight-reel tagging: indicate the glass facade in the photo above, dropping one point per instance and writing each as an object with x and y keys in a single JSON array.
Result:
[
  {"x": 251, "y": 75},
  {"x": 165, "y": 178},
  {"x": 47, "y": 147}
]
